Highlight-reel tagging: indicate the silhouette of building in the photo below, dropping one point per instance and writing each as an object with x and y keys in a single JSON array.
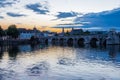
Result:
[{"x": 76, "y": 31}]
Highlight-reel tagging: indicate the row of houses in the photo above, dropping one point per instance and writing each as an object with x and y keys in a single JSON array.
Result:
[{"x": 28, "y": 33}]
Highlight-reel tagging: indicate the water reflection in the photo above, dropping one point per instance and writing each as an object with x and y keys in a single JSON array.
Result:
[
  {"x": 31, "y": 47},
  {"x": 1, "y": 52},
  {"x": 113, "y": 51},
  {"x": 65, "y": 61},
  {"x": 38, "y": 70},
  {"x": 13, "y": 52},
  {"x": 60, "y": 62},
  {"x": 4, "y": 74}
]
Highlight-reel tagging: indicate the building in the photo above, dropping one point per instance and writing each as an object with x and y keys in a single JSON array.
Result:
[
  {"x": 76, "y": 32},
  {"x": 27, "y": 34},
  {"x": 98, "y": 32},
  {"x": 48, "y": 33},
  {"x": 113, "y": 37}
]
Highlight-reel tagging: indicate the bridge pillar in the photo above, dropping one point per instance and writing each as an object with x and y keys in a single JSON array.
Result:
[
  {"x": 49, "y": 40},
  {"x": 87, "y": 40},
  {"x": 57, "y": 40},
  {"x": 112, "y": 38},
  {"x": 75, "y": 41}
]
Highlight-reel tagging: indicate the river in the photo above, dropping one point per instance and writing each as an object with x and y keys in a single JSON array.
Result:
[{"x": 57, "y": 62}]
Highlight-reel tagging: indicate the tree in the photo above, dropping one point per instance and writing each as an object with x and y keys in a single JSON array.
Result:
[
  {"x": 12, "y": 31},
  {"x": 67, "y": 33},
  {"x": 2, "y": 33},
  {"x": 56, "y": 34},
  {"x": 32, "y": 38},
  {"x": 81, "y": 31},
  {"x": 87, "y": 32}
]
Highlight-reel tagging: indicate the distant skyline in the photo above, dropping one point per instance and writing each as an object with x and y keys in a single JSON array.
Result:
[{"x": 89, "y": 14}]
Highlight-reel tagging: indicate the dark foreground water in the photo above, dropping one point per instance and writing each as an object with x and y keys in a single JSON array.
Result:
[{"x": 42, "y": 62}]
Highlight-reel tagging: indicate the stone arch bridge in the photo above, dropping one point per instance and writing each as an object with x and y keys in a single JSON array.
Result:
[{"x": 83, "y": 39}]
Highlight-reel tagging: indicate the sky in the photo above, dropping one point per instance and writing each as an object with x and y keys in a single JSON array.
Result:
[{"x": 44, "y": 14}]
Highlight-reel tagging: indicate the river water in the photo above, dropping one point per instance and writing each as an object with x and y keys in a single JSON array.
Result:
[{"x": 48, "y": 62}]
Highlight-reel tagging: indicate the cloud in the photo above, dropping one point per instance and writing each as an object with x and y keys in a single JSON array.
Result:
[
  {"x": 66, "y": 14},
  {"x": 105, "y": 19},
  {"x": 68, "y": 25},
  {"x": 15, "y": 14},
  {"x": 1, "y": 17},
  {"x": 39, "y": 8},
  {"x": 4, "y": 3},
  {"x": 18, "y": 23}
]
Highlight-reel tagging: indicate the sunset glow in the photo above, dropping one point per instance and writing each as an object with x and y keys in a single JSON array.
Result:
[{"x": 45, "y": 14}]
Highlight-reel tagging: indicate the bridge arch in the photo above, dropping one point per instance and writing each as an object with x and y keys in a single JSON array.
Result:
[
  {"x": 61, "y": 40},
  {"x": 104, "y": 42},
  {"x": 93, "y": 42},
  {"x": 56, "y": 40},
  {"x": 53, "y": 41},
  {"x": 81, "y": 42},
  {"x": 70, "y": 41},
  {"x": 46, "y": 41}
]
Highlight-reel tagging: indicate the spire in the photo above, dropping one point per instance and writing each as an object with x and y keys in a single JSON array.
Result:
[
  {"x": 34, "y": 28},
  {"x": 72, "y": 28},
  {"x": 63, "y": 30}
]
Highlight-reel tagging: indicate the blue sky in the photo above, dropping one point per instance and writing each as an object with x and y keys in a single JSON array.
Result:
[{"x": 91, "y": 14}]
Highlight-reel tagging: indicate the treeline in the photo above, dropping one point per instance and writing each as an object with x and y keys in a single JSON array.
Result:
[{"x": 11, "y": 31}]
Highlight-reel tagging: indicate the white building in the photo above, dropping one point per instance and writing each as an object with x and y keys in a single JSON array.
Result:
[{"x": 27, "y": 34}]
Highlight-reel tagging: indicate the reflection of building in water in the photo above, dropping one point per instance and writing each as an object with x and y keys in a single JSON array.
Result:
[
  {"x": 25, "y": 48},
  {"x": 113, "y": 50},
  {"x": 32, "y": 47},
  {"x": 13, "y": 52},
  {"x": 35, "y": 47},
  {"x": 1, "y": 52}
]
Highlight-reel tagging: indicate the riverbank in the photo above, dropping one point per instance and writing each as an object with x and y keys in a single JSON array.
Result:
[{"x": 16, "y": 41}]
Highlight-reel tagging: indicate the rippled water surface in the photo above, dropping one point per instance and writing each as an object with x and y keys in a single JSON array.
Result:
[{"x": 43, "y": 62}]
